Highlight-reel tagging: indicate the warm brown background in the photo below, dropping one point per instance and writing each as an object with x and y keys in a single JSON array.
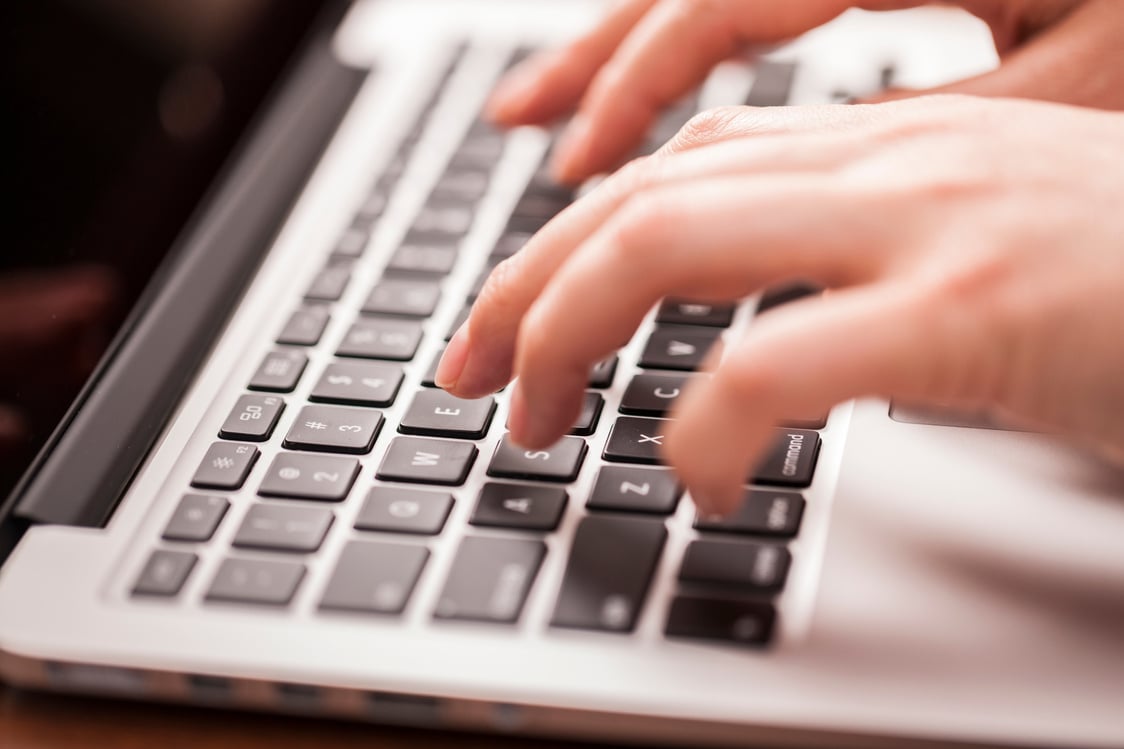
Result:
[{"x": 41, "y": 721}]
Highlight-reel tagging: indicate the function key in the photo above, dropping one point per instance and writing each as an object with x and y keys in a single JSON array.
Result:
[
  {"x": 753, "y": 567},
  {"x": 737, "y": 622},
  {"x": 358, "y": 384},
  {"x": 259, "y": 582},
  {"x": 334, "y": 429},
  {"x": 374, "y": 577},
  {"x": 490, "y": 579},
  {"x": 284, "y": 528},
  {"x": 792, "y": 459},
  {"x": 330, "y": 283},
  {"x": 520, "y": 507},
  {"x": 560, "y": 462},
  {"x": 164, "y": 574},
  {"x": 628, "y": 489},
  {"x": 196, "y": 518},
  {"x": 444, "y": 218},
  {"x": 427, "y": 461},
  {"x": 762, "y": 513},
  {"x": 382, "y": 338},
  {"x": 424, "y": 258},
  {"x": 279, "y": 372},
  {"x": 635, "y": 440},
  {"x": 652, "y": 394},
  {"x": 601, "y": 376},
  {"x": 678, "y": 348},
  {"x": 608, "y": 574},
  {"x": 309, "y": 477},
  {"x": 252, "y": 418},
  {"x": 393, "y": 509},
  {"x": 352, "y": 243},
  {"x": 682, "y": 312},
  {"x": 435, "y": 413},
  {"x": 225, "y": 466},
  {"x": 403, "y": 298},
  {"x": 305, "y": 326}
]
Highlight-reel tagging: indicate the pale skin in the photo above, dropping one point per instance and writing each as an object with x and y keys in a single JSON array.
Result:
[{"x": 974, "y": 252}]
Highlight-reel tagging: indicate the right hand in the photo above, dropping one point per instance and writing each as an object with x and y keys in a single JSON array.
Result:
[{"x": 645, "y": 54}]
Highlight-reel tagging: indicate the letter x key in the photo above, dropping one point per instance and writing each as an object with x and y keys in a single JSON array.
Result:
[{"x": 636, "y": 440}]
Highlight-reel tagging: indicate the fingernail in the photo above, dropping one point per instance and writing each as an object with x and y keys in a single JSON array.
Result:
[
  {"x": 452, "y": 363},
  {"x": 571, "y": 150}
]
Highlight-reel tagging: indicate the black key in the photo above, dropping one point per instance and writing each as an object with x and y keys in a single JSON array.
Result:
[
  {"x": 252, "y": 418},
  {"x": 730, "y": 621},
  {"x": 309, "y": 477},
  {"x": 358, "y": 384},
  {"x": 757, "y": 568},
  {"x": 608, "y": 573},
  {"x": 435, "y": 413},
  {"x": 279, "y": 372},
  {"x": 537, "y": 206},
  {"x": 334, "y": 429},
  {"x": 652, "y": 394},
  {"x": 772, "y": 84},
  {"x": 792, "y": 460},
  {"x": 429, "y": 379},
  {"x": 520, "y": 506},
  {"x": 225, "y": 466},
  {"x": 628, "y": 489},
  {"x": 490, "y": 579},
  {"x": 382, "y": 338},
  {"x": 682, "y": 312},
  {"x": 782, "y": 295},
  {"x": 427, "y": 461},
  {"x": 260, "y": 582},
  {"x": 352, "y": 243},
  {"x": 305, "y": 326},
  {"x": 330, "y": 283},
  {"x": 165, "y": 573},
  {"x": 461, "y": 319},
  {"x": 196, "y": 518},
  {"x": 478, "y": 151},
  {"x": 590, "y": 415},
  {"x": 403, "y": 298},
  {"x": 442, "y": 218},
  {"x": 465, "y": 186},
  {"x": 679, "y": 348},
  {"x": 424, "y": 258},
  {"x": 559, "y": 462},
  {"x": 601, "y": 376},
  {"x": 396, "y": 510},
  {"x": 374, "y": 577},
  {"x": 372, "y": 207},
  {"x": 284, "y": 528},
  {"x": 635, "y": 440},
  {"x": 762, "y": 513},
  {"x": 510, "y": 243},
  {"x": 526, "y": 224}
]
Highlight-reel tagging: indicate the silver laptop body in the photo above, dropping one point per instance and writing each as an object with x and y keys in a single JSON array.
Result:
[{"x": 931, "y": 584}]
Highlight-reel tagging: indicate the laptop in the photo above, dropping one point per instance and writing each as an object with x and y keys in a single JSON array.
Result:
[{"x": 260, "y": 501}]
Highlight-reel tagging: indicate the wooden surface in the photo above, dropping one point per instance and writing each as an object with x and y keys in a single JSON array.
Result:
[{"x": 40, "y": 721}]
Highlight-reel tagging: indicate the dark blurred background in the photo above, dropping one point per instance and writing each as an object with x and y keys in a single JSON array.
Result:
[{"x": 119, "y": 114}]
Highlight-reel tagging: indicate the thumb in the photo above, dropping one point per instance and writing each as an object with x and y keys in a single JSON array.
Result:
[{"x": 1078, "y": 61}]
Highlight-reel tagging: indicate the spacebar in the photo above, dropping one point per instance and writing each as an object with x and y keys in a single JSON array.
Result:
[{"x": 608, "y": 573}]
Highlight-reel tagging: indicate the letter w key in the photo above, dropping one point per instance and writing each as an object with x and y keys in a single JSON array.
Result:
[{"x": 427, "y": 461}]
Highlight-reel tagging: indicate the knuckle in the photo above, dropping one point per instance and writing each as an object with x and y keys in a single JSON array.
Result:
[
  {"x": 714, "y": 125},
  {"x": 642, "y": 218}
]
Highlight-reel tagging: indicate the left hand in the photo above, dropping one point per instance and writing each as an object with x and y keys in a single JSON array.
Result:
[{"x": 973, "y": 250}]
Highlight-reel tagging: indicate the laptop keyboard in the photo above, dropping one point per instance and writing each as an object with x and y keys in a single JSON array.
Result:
[{"x": 409, "y": 473}]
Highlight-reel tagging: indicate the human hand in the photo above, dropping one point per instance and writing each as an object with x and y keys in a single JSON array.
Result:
[
  {"x": 646, "y": 54},
  {"x": 971, "y": 248}
]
